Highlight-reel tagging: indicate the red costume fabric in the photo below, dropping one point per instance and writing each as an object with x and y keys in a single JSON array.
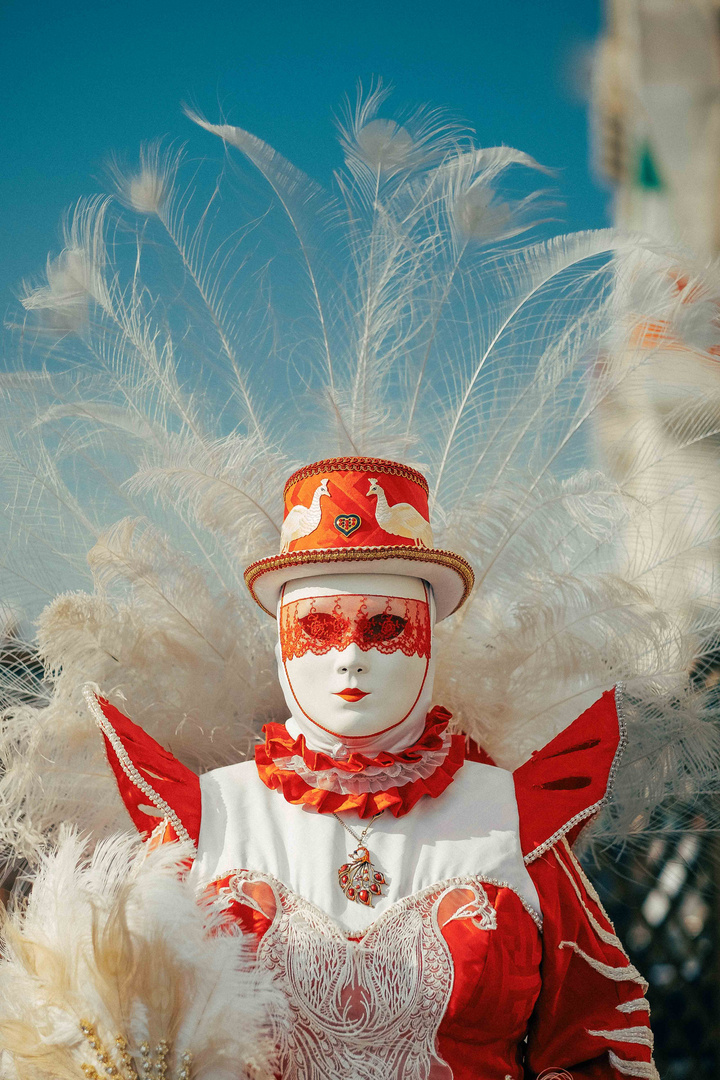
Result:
[
  {"x": 499, "y": 998},
  {"x": 563, "y": 785},
  {"x": 156, "y": 788},
  {"x": 591, "y": 1017}
]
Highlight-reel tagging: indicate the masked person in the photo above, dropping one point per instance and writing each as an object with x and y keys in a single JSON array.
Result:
[
  {"x": 405, "y": 878},
  {"x": 420, "y": 908}
]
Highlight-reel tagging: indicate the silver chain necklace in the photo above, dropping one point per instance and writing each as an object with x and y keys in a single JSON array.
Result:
[{"x": 358, "y": 879}]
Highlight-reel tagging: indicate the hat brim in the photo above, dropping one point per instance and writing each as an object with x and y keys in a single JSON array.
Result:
[{"x": 450, "y": 576}]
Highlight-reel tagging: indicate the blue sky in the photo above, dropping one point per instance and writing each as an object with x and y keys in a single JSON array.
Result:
[{"x": 81, "y": 81}]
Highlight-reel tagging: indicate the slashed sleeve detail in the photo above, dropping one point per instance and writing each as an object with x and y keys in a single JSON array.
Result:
[
  {"x": 592, "y": 1018},
  {"x": 561, "y": 787}
]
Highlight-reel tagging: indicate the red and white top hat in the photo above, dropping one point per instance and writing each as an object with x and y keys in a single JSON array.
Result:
[{"x": 359, "y": 515}]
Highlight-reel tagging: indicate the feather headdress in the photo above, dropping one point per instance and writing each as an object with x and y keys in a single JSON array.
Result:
[{"x": 181, "y": 359}]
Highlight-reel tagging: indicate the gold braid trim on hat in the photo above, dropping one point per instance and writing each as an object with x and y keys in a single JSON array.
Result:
[{"x": 339, "y": 555}]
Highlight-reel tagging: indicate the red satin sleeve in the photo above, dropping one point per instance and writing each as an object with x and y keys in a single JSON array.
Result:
[{"x": 592, "y": 1018}]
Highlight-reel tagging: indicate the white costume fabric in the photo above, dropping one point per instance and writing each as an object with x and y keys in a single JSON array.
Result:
[{"x": 471, "y": 829}]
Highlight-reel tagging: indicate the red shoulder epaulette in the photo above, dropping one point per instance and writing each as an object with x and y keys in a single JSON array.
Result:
[
  {"x": 153, "y": 784},
  {"x": 566, "y": 783}
]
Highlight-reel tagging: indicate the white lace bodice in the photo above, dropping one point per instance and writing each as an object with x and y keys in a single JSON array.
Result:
[{"x": 364, "y": 1006}]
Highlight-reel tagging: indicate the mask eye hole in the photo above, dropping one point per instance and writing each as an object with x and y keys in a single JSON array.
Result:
[
  {"x": 322, "y": 626},
  {"x": 382, "y": 627}
]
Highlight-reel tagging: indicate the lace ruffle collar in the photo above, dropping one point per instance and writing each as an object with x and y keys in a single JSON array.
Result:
[{"x": 389, "y": 781}]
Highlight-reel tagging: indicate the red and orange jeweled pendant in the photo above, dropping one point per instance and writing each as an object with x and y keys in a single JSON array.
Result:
[{"x": 359, "y": 879}]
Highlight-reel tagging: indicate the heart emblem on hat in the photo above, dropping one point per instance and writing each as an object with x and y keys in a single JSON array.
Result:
[{"x": 347, "y": 524}]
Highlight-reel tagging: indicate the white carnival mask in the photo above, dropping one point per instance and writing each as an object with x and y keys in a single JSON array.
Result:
[{"x": 355, "y": 659}]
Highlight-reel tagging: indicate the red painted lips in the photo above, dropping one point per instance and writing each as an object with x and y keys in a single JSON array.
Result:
[{"x": 350, "y": 694}]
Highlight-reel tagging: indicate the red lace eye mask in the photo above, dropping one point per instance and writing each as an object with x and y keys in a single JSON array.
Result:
[{"x": 318, "y": 624}]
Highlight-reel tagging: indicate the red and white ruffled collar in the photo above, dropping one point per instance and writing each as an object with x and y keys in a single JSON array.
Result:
[{"x": 367, "y": 785}]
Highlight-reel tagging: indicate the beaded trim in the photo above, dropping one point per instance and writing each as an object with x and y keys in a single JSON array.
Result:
[
  {"x": 359, "y": 554},
  {"x": 640, "y": 1035},
  {"x": 127, "y": 766},
  {"x": 357, "y": 464},
  {"x": 614, "y": 972},
  {"x": 644, "y": 1069},
  {"x": 589, "y": 811}
]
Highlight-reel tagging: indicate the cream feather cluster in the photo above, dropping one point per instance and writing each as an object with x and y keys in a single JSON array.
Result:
[{"x": 112, "y": 969}]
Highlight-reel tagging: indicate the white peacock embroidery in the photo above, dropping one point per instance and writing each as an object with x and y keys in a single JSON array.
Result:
[
  {"x": 303, "y": 520},
  {"x": 367, "y": 1006},
  {"x": 402, "y": 519}
]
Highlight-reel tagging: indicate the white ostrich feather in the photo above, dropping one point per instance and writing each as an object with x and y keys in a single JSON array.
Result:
[
  {"x": 147, "y": 188},
  {"x": 75, "y": 277},
  {"x": 396, "y": 315},
  {"x": 118, "y": 942}
]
